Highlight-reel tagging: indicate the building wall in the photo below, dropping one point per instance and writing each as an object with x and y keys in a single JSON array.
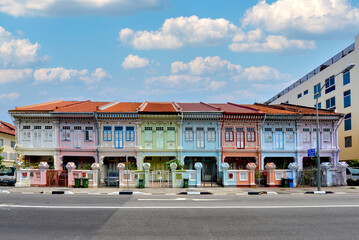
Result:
[
  {"x": 200, "y": 146},
  {"x": 347, "y": 153},
  {"x": 9, "y": 152},
  {"x": 156, "y": 142},
  {"x": 233, "y": 148}
]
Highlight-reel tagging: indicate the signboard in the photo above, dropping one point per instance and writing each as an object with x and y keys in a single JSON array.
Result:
[{"x": 311, "y": 152}]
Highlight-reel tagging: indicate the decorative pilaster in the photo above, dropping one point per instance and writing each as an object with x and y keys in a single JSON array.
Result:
[
  {"x": 225, "y": 167},
  {"x": 95, "y": 168},
  {"x": 198, "y": 166},
  {"x": 294, "y": 168},
  {"x": 43, "y": 166},
  {"x": 147, "y": 167},
  {"x": 173, "y": 167},
  {"x": 70, "y": 167},
  {"x": 270, "y": 174},
  {"x": 251, "y": 176}
]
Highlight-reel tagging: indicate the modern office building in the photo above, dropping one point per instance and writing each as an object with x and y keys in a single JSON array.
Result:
[{"x": 339, "y": 93}]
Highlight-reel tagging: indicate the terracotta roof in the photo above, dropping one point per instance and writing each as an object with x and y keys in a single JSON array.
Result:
[
  {"x": 232, "y": 108},
  {"x": 7, "y": 128},
  {"x": 121, "y": 107},
  {"x": 271, "y": 109},
  {"x": 157, "y": 107},
  {"x": 292, "y": 109},
  {"x": 307, "y": 110},
  {"x": 85, "y": 106},
  {"x": 49, "y": 106},
  {"x": 197, "y": 107}
]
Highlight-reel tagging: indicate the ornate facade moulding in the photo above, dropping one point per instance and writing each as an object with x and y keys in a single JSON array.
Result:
[
  {"x": 242, "y": 117},
  {"x": 117, "y": 115}
]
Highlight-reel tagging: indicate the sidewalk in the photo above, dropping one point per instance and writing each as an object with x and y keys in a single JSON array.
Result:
[{"x": 175, "y": 191}]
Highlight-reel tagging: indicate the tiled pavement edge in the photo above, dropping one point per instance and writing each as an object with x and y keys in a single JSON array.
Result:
[{"x": 177, "y": 191}]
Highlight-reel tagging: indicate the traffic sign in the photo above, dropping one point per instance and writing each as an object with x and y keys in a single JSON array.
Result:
[{"x": 311, "y": 152}]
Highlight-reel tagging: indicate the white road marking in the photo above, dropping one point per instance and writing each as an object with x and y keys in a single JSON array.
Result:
[
  {"x": 178, "y": 199},
  {"x": 161, "y": 199},
  {"x": 176, "y": 207}
]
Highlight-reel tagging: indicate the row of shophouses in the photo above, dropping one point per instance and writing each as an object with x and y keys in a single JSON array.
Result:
[{"x": 109, "y": 133}]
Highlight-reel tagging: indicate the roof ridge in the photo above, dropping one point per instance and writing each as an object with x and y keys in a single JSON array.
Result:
[
  {"x": 142, "y": 106},
  {"x": 295, "y": 105},
  {"x": 177, "y": 107},
  {"x": 209, "y": 105},
  {"x": 243, "y": 106},
  {"x": 72, "y": 104},
  {"x": 7, "y": 125},
  {"x": 108, "y": 105}
]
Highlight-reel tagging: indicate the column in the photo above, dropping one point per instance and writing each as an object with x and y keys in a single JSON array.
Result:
[
  {"x": 95, "y": 168},
  {"x": 71, "y": 167},
  {"x": 43, "y": 166},
  {"x": 173, "y": 167},
  {"x": 270, "y": 174},
  {"x": 147, "y": 167},
  {"x": 225, "y": 167},
  {"x": 294, "y": 168},
  {"x": 121, "y": 169},
  {"x": 198, "y": 166},
  {"x": 251, "y": 176}
]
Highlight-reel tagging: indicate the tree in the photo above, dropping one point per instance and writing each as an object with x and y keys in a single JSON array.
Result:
[{"x": 1, "y": 158}]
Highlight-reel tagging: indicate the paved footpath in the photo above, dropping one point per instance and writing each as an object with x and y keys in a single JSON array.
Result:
[{"x": 176, "y": 191}]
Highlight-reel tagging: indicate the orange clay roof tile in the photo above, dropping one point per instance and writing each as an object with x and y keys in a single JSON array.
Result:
[
  {"x": 158, "y": 107},
  {"x": 7, "y": 128},
  {"x": 122, "y": 107},
  {"x": 49, "y": 106}
]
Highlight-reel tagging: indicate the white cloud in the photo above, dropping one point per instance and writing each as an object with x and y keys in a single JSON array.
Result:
[
  {"x": 261, "y": 74},
  {"x": 134, "y": 61},
  {"x": 245, "y": 94},
  {"x": 181, "y": 31},
  {"x": 61, "y": 74},
  {"x": 215, "y": 85},
  {"x": 50, "y": 8},
  {"x": 175, "y": 80},
  {"x": 304, "y": 16},
  {"x": 207, "y": 65},
  {"x": 16, "y": 52},
  {"x": 96, "y": 76},
  {"x": 271, "y": 43},
  {"x": 9, "y": 96},
  {"x": 14, "y": 75}
]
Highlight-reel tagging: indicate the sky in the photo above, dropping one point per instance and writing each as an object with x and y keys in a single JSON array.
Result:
[{"x": 165, "y": 50}]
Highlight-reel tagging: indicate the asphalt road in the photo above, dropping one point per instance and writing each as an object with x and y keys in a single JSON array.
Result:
[{"x": 179, "y": 217}]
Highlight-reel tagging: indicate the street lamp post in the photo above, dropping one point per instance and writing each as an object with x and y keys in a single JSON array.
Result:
[{"x": 316, "y": 111}]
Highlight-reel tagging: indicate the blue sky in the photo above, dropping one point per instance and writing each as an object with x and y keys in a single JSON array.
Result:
[{"x": 164, "y": 50}]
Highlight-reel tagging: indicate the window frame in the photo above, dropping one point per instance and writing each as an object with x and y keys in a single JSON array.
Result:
[
  {"x": 188, "y": 134},
  {"x": 348, "y": 122},
  {"x": 317, "y": 93},
  {"x": 89, "y": 133},
  {"x": 347, "y": 98},
  {"x": 329, "y": 84},
  {"x": 346, "y": 144},
  {"x": 130, "y": 133},
  {"x": 251, "y": 134},
  {"x": 211, "y": 134},
  {"x": 107, "y": 133},
  {"x": 228, "y": 134},
  {"x": 330, "y": 103},
  {"x": 66, "y": 133},
  {"x": 346, "y": 77}
]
